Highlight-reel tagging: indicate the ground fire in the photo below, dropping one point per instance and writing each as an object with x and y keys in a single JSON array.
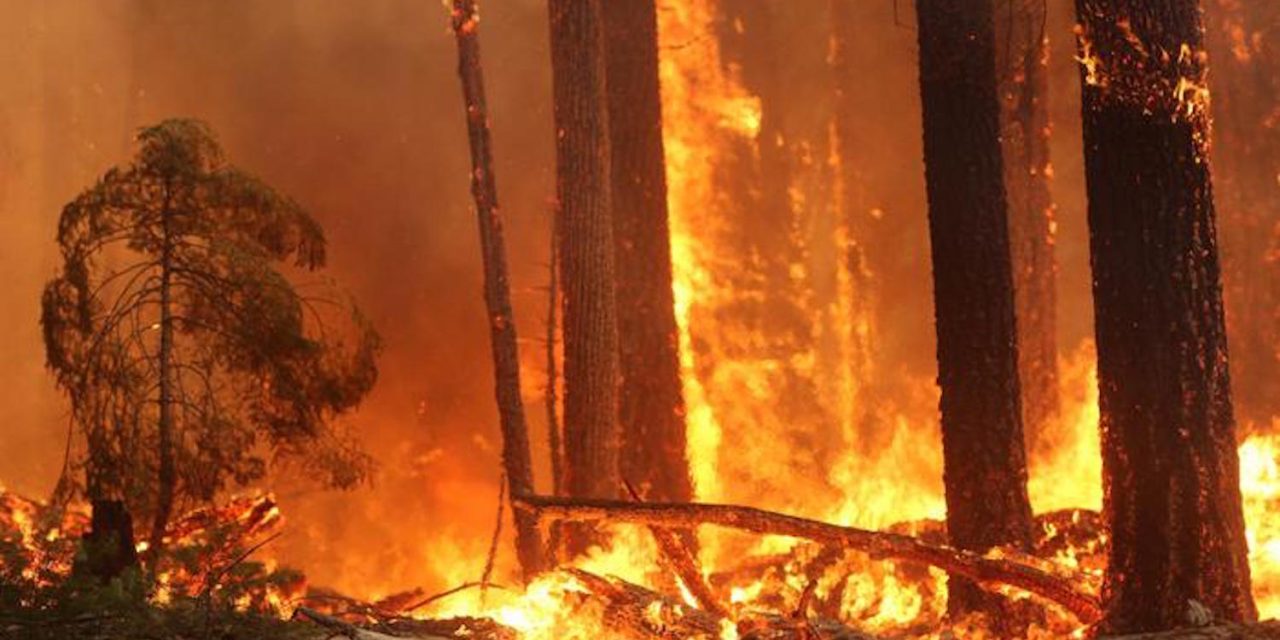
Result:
[{"x": 803, "y": 320}]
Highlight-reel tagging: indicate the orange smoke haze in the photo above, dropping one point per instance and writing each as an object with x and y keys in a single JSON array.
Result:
[{"x": 353, "y": 109}]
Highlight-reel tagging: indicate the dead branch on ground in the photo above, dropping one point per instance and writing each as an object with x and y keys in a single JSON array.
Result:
[{"x": 1063, "y": 591}]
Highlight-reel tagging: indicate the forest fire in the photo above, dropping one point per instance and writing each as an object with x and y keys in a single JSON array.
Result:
[{"x": 791, "y": 385}]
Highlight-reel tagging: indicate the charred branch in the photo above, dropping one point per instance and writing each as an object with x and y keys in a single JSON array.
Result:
[{"x": 984, "y": 570}]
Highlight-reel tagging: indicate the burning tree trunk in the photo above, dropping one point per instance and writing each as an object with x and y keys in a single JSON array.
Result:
[
  {"x": 497, "y": 295},
  {"x": 651, "y": 405},
  {"x": 1022, "y": 52},
  {"x": 585, "y": 225},
  {"x": 1170, "y": 467},
  {"x": 1241, "y": 38},
  {"x": 984, "y": 460}
]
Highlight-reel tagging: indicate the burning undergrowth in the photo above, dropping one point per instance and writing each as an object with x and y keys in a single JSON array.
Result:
[
  {"x": 774, "y": 587},
  {"x": 206, "y": 572}
]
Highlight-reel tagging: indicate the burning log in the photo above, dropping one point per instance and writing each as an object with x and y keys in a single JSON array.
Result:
[{"x": 985, "y": 570}]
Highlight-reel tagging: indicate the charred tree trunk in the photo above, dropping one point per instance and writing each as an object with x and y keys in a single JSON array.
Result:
[
  {"x": 985, "y": 471},
  {"x": 497, "y": 295},
  {"x": 651, "y": 402},
  {"x": 108, "y": 546},
  {"x": 1022, "y": 49},
  {"x": 585, "y": 225},
  {"x": 1170, "y": 468},
  {"x": 1241, "y": 38}
]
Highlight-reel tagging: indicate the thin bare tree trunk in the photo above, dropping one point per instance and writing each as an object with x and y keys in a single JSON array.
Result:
[
  {"x": 651, "y": 402},
  {"x": 1170, "y": 467},
  {"x": 497, "y": 295},
  {"x": 585, "y": 226},
  {"x": 1022, "y": 50},
  {"x": 985, "y": 472}
]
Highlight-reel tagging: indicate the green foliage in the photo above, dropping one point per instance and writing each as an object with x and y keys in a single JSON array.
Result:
[{"x": 261, "y": 365}]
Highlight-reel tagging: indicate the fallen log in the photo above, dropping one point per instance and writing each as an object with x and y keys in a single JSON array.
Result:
[
  {"x": 987, "y": 571},
  {"x": 1269, "y": 630}
]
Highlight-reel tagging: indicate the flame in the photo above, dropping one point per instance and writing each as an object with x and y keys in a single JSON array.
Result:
[
  {"x": 1089, "y": 59},
  {"x": 1260, "y": 486}
]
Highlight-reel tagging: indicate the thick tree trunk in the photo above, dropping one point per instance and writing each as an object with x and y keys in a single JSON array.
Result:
[
  {"x": 497, "y": 295},
  {"x": 1022, "y": 48},
  {"x": 165, "y": 487},
  {"x": 1242, "y": 41},
  {"x": 1170, "y": 470},
  {"x": 585, "y": 224},
  {"x": 985, "y": 473},
  {"x": 651, "y": 403}
]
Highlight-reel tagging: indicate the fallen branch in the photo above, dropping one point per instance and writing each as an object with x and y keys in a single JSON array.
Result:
[{"x": 984, "y": 570}]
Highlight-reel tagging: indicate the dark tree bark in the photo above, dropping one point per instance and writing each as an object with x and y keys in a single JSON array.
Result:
[
  {"x": 984, "y": 462},
  {"x": 1022, "y": 49},
  {"x": 651, "y": 402},
  {"x": 108, "y": 546},
  {"x": 1243, "y": 39},
  {"x": 1171, "y": 474},
  {"x": 585, "y": 225},
  {"x": 497, "y": 295}
]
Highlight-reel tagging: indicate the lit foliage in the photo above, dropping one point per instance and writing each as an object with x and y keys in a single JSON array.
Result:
[{"x": 259, "y": 367}]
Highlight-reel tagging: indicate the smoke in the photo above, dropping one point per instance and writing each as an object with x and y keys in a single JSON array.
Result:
[{"x": 353, "y": 109}]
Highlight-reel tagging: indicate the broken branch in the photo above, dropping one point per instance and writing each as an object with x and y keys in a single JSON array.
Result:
[{"x": 1061, "y": 591}]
